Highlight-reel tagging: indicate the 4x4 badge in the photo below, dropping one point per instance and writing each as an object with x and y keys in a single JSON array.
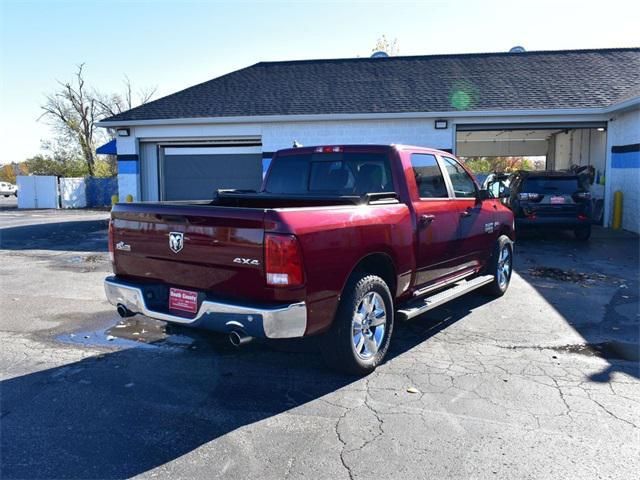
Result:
[{"x": 176, "y": 241}]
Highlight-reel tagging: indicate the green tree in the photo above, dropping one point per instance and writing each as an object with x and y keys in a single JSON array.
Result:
[{"x": 498, "y": 164}]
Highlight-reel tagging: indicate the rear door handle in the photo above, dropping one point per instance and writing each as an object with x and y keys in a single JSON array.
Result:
[{"x": 426, "y": 219}]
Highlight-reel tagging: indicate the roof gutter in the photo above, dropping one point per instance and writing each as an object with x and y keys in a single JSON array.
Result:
[{"x": 626, "y": 104}]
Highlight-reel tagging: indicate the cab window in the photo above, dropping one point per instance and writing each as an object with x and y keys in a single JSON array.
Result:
[
  {"x": 463, "y": 184},
  {"x": 429, "y": 178}
]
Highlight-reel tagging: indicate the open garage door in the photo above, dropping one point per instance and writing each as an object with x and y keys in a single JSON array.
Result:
[
  {"x": 550, "y": 146},
  {"x": 195, "y": 173}
]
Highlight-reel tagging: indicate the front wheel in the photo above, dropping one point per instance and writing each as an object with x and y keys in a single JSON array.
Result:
[
  {"x": 500, "y": 266},
  {"x": 361, "y": 332}
]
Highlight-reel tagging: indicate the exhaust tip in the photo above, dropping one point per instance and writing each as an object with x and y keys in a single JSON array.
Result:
[
  {"x": 238, "y": 339},
  {"x": 124, "y": 312}
]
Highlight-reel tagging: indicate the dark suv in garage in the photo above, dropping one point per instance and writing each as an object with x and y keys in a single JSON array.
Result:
[{"x": 556, "y": 200}]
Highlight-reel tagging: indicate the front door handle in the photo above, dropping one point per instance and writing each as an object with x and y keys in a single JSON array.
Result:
[
  {"x": 426, "y": 219},
  {"x": 466, "y": 213}
]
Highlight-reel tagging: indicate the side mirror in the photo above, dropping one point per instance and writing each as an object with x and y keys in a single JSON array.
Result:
[{"x": 484, "y": 194}]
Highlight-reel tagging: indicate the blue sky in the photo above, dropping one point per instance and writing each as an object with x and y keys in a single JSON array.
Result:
[{"x": 175, "y": 44}]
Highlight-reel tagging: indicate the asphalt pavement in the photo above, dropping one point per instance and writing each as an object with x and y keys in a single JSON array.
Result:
[{"x": 542, "y": 383}]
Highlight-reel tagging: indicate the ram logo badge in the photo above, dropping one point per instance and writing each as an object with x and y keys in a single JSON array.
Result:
[
  {"x": 246, "y": 261},
  {"x": 176, "y": 241}
]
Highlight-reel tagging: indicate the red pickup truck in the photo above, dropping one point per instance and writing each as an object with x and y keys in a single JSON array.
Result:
[{"x": 340, "y": 241}]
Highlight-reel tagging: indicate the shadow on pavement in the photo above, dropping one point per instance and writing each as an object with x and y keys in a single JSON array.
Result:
[
  {"x": 79, "y": 236},
  {"x": 603, "y": 309},
  {"x": 124, "y": 413}
]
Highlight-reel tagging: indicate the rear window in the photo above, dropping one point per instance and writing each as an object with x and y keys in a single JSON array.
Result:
[
  {"x": 551, "y": 185},
  {"x": 330, "y": 174}
]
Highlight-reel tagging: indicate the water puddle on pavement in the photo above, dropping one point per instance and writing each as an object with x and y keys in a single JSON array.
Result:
[
  {"x": 135, "y": 331},
  {"x": 609, "y": 350}
]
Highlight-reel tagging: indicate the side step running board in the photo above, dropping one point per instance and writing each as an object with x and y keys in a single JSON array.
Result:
[{"x": 422, "y": 305}]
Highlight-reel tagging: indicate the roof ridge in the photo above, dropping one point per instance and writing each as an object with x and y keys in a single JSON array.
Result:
[{"x": 452, "y": 55}]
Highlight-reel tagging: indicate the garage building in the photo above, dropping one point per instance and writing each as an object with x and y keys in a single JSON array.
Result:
[{"x": 571, "y": 107}]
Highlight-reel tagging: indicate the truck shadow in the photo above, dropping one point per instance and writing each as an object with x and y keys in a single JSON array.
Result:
[{"x": 124, "y": 413}]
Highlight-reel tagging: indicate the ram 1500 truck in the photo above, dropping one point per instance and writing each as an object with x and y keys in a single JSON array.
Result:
[{"x": 341, "y": 241}]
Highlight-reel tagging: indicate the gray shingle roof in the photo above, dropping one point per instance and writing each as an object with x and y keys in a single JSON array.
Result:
[{"x": 435, "y": 83}]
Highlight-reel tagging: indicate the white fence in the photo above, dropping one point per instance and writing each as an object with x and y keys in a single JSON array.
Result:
[
  {"x": 37, "y": 191},
  {"x": 73, "y": 193}
]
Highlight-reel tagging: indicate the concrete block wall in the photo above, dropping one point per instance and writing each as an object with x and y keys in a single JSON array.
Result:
[
  {"x": 420, "y": 132},
  {"x": 624, "y": 174}
]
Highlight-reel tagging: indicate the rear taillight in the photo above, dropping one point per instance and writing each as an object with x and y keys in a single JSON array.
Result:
[
  {"x": 111, "y": 249},
  {"x": 530, "y": 196},
  {"x": 283, "y": 260}
]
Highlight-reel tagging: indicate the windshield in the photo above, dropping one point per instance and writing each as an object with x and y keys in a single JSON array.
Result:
[
  {"x": 330, "y": 173},
  {"x": 548, "y": 185}
]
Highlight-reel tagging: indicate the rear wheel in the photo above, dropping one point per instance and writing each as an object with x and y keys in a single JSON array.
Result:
[
  {"x": 583, "y": 233},
  {"x": 361, "y": 332},
  {"x": 500, "y": 266}
]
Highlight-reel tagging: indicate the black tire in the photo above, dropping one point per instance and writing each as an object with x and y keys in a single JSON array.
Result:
[
  {"x": 500, "y": 284},
  {"x": 337, "y": 345},
  {"x": 6, "y": 196},
  {"x": 583, "y": 233}
]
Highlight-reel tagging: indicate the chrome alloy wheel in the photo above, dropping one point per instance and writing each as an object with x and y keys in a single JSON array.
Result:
[
  {"x": 504, "y": 267},
  {"x": 368, "y": 325}
]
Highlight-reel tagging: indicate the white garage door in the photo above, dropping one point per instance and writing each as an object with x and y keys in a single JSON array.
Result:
[{"x": 195, "y": 173}]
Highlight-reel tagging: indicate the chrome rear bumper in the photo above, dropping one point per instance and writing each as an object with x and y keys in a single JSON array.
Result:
[{"x": 284, "y": 321}]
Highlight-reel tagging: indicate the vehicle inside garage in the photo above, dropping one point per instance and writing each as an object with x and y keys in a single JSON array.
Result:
[{"x": 502, "y": 148}]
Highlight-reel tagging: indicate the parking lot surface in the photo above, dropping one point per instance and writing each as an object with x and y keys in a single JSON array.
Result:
[{"x": 542, "y": 383}]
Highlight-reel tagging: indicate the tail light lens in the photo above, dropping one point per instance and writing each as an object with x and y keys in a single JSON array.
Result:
[
  {"x": 283, "y": 260},
  {"x": 534, "y": 197},
  {"x": 111, "y": 248}
]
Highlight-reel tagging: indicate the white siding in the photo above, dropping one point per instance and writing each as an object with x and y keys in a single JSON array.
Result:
[
  {"x": 419, "y": 132},
  {"x": 624, "y": 129}
]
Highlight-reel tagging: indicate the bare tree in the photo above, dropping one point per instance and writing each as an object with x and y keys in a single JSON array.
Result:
[
  {"x": 74, "y": 112},
  {"x": 390, "y": 47},
  {"x": 116, "y": 103}
]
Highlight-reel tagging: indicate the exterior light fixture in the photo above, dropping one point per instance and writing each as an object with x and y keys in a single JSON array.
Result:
[
  {"x": 601, "y": 129},
  {"x": 123, "y": 132},
  {"x": 441, "y": 124}
]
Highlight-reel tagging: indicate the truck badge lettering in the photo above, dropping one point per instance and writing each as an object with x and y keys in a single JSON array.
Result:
[{"x": 246, "y": 261}]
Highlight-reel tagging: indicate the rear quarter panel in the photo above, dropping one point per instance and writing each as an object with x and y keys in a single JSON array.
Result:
[{"x": 334, "y": 239}]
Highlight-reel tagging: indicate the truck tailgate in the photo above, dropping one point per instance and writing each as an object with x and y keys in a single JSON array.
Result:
[{"x": 221, "y": 248}]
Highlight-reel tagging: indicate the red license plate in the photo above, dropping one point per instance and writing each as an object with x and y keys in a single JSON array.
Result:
[
  {"x": 184, "y": 300},
  {"x": 557, "y": 200}
]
